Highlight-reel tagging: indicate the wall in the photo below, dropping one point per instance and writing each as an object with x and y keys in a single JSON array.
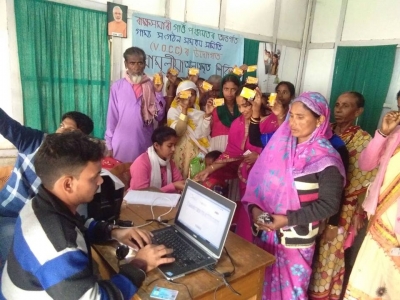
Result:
[
  {"x": 280, "y": 21},
  {"x": 349, "y": 23}
]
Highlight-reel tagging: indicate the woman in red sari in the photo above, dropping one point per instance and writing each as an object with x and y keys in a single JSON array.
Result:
[{"x": 236, "y": 161}]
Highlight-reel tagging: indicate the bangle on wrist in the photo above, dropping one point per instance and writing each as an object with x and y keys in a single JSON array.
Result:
[
  {"x": 381, "y": 133},
  {"x": 332, "y": 226},
  {"x": 183, "y": 117}
]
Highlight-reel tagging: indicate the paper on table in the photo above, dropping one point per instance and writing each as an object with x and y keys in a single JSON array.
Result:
[{"x": 152, "y": 198}]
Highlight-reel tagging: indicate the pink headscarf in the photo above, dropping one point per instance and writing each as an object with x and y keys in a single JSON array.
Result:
[{"x": 271, "y": 181}]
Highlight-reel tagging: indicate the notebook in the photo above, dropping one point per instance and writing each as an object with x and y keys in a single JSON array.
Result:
[{"x": 198, "y": 236}]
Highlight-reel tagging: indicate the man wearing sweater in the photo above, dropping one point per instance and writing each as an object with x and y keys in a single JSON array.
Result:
[
  {"x": 23, "y": 183},
  {"x": 50, "y": 256}
]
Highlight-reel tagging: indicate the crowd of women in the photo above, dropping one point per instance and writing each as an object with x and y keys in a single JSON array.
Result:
[{"x": 287, "y": 160}]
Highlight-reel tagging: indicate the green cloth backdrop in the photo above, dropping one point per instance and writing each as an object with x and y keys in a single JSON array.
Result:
[
  {"x": 64, "y": 63},
  {"x": 250, "y": 55},
  {"x": 367, "y": 70}
]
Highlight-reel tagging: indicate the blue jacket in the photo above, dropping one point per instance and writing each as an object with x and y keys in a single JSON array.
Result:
[{"x": 23, "y": 183}]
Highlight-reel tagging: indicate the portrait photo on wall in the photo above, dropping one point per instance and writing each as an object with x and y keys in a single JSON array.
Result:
[
  {"x": 269, "y": 68},
  {"x": 117, "y": 16},
  {"x": 271, "y": 58}
]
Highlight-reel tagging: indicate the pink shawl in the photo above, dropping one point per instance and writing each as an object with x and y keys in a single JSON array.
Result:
[
  {"x": 238, "y": 135},
  {"x": 371, "y": 201},
  {"x": 145, "y": 88},
  {"x": 271, "y": 180}
]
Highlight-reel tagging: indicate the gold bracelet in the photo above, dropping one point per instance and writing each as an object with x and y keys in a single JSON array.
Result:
[
  {"x": 332, "y": 226},
  {"x": 183, "y": 117}
]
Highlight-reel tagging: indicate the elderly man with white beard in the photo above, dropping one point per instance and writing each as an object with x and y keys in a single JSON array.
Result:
[{"x": 135, "y": 102}]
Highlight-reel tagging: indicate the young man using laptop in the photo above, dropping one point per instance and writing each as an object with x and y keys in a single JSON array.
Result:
[
  {"x": 23, "y": 182},
  {"x": 50, "y": 256}
]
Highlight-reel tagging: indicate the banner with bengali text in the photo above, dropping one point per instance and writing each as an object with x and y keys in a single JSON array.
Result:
[{"x": 179, "y": 45}]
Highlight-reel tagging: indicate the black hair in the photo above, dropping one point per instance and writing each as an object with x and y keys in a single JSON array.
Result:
[
  {"x": 398, "y": 95},
  {"x": 83, "y": 122},
  {"x": 162, "y": 134},
  {"x": 66, "y": 154},
  {"x": 229, "y": 78},
  {"x": 360, "y": 100},
  {"x": 213, "y": 154},
  {"x": 264, "y": 109},
  {"x": 289, "y": 85},
  {"x": 134, "y": 51}
]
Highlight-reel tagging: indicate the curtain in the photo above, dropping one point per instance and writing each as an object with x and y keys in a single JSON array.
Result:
[
  {"x": 367, "y": 70},
  {"x": 250, "y": 56},
  {"x": 64, "y": 63}
]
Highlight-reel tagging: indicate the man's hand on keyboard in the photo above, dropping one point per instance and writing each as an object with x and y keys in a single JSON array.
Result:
[
  {"x": 155, "y": 255},
  {"x": 132, "y": 237}
]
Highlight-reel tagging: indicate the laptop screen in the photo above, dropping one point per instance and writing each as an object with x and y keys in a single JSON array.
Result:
[{"x": 206, "y": 216}]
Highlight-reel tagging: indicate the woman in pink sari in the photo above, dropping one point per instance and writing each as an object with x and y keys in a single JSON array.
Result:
[
  {"x": 298, "y": 180},
  {"x": 235, "y": 162}
]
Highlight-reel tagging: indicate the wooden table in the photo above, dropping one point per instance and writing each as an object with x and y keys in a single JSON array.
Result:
[{"x": 250, "y": 262}]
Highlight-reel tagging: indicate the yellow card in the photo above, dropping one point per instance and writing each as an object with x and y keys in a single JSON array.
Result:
[
  {"x": 238, "y": 71},
  {"x": 252, "y": 80},
  {"x": 173, "y": 71},
  {"x": 185, "y": 94},
  {"x": 157, "y": 79},
  {"x": 194, "y": 71},
  {"x": 272, "y": 99},
  {"x": 248, "y": 93},
  {"x": 251, "y": 68},
  {"x": 218, "y": 102},
  {"x": 206, "y": 86}
]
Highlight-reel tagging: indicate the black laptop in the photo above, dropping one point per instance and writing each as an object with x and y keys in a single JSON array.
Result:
[{"x": 199, "y": 233}]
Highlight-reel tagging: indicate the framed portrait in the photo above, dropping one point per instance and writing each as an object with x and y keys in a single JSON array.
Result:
[
  {"x": 271, "y": 57},
  {"x": 117, "y": 17}
]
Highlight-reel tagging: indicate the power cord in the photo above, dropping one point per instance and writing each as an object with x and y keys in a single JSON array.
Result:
[
  {"x": 158, "y": 219},
  {"x": 224, "y": 275}
]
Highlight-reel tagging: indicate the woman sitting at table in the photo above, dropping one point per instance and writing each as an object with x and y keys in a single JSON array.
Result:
[
  {"x": 298, "y": 180},
  {"x": 191, "y": 124},
  {"x": 154, "y": 168}
]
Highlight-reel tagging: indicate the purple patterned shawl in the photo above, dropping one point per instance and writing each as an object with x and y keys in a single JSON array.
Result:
[{"x": 271, "y": 180}]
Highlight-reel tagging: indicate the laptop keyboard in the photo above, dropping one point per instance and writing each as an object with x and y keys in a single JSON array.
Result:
[{"x": 184, "y": 254}]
